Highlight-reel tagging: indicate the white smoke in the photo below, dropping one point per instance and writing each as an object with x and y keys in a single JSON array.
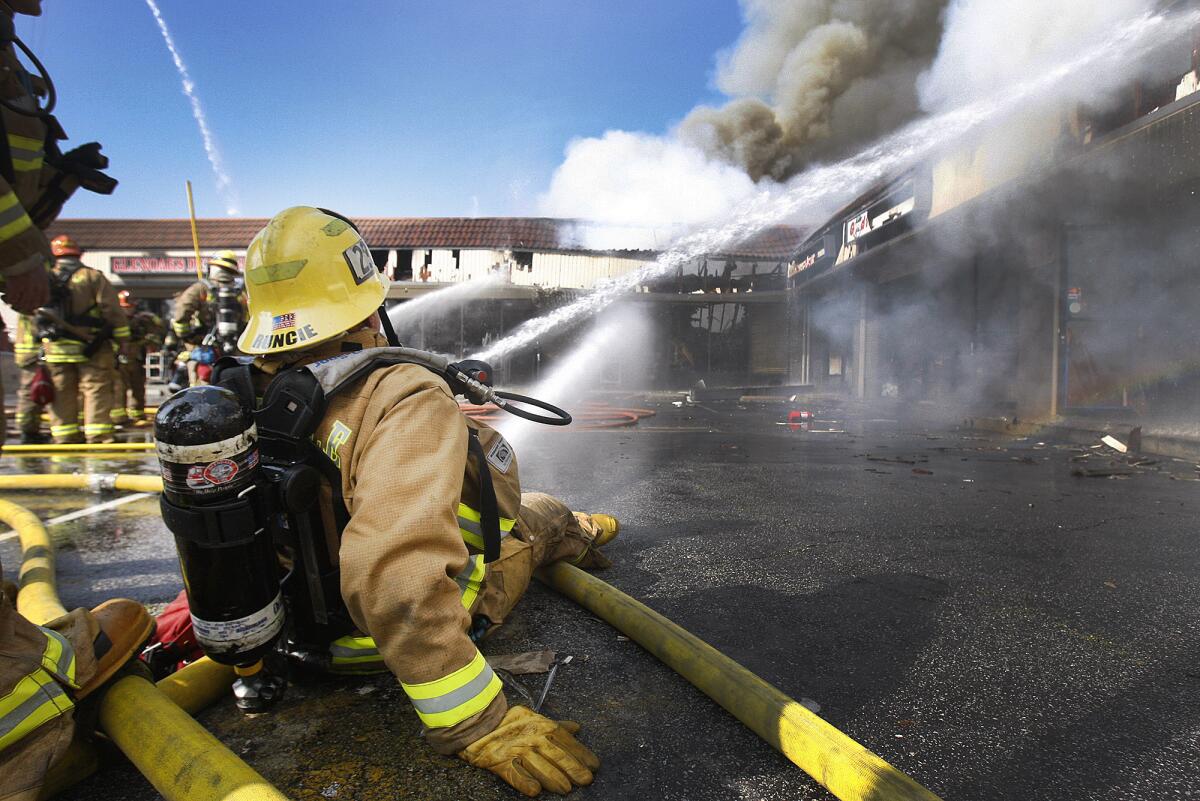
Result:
[
  {"x": 224, "y": 183},
  {"x": 639, "y": 180},
  {"x": 988, "y": 45}
]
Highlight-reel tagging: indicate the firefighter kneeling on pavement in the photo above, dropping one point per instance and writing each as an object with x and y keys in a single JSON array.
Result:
[
  {"x": 411, "y": 553},
  {"x": 76, "y": 326}
]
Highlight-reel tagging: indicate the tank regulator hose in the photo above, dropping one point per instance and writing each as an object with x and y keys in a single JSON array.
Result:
[
  {"x": 51, "y": 92},
  {"x": 504, "y": 400}
]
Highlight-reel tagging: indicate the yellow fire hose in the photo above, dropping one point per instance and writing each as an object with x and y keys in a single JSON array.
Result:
[
  {"x": 844, "y": 767},
  {"x": 96, "y": 482},
  {"x": 175, "y": 753},
  {"x": 90, "y": 447},
  {"x": 37, "y": 599}
]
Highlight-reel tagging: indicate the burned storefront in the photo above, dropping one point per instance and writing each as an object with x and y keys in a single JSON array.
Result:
[{"x": 1046, "y": 276}]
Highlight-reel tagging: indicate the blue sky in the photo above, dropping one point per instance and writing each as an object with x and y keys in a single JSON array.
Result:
[{"x": 373, "y": 108}]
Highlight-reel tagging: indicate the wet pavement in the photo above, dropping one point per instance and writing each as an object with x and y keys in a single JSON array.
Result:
[{"x": 963, "y": 605}]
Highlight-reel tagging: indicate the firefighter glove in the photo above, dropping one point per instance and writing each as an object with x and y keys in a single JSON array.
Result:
[{"x": 533, "y": 753}]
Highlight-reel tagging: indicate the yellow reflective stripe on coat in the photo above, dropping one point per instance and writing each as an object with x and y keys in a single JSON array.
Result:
[
  {"x": 121, "y": 332},
  {"x": 471, "y": 529},
  {"x": 27, "y": 153},
  {"x": 355, "y": 655},
  {"x": 38, "y": 698},
  {"x": 13, "y": 219},
  {"x": 471, "y": 579},
  {"x": 63, "y": 351},
  {"x": 450, "y": 700}
]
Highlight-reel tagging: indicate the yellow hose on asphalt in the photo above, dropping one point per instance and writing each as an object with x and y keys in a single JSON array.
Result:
[
  {"x": 89, "y": 447},
  {"x": 841, "y": 765},
  {"x": 95, "y": 482},
  {"x": 37, "y": 599},
  {"x": 199, "y": 685},
  {"x": 176, "y": 754},
  {"x": 193, "y": 688}
]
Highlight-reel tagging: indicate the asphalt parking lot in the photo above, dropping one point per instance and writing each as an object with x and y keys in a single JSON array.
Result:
[{"x": 963, "y": 605}]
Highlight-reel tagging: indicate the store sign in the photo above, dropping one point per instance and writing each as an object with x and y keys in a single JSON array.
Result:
[
  {"x": 858, "y": 226},
  {"x": 808, "y": 261},
  {"x": 152, "y": 265}
]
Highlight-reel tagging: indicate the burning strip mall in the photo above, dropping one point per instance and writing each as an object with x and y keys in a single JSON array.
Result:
[{"x": 1046, "y": 278}]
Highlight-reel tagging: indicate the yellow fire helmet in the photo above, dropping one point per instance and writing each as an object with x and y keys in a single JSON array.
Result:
[
  {"x": 309, "y": 278},
  {"x": 225, "y": 259}
]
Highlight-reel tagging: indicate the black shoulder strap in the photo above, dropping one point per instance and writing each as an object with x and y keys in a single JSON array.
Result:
[
  {"x": 6, "y": 162},
  {"x": 231, "y": 374},
  {"x": 489, "y": 507},
  {"x": 291, "y": 410}
]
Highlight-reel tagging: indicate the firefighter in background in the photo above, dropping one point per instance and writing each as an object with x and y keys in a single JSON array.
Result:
[
  {"x": 413, "y": 574},
  {"x": 145, "y": 336},
  {"x": 27, "y": 351},
  {"x": 75, "y": 327},
  {"x": 196, "y": 313}
]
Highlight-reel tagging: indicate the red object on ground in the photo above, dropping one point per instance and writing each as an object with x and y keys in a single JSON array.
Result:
[
  {"x": 204, "y": 372},
  {"x": 174, "y": 642},
  {"x": 41, "y": 389},
  {"x": 798, "y": 416}
]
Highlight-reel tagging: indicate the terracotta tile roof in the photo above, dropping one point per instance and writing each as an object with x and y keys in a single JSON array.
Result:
[
  {"x": 512, "y": 233},
  {"x": 777, "y": 242}
]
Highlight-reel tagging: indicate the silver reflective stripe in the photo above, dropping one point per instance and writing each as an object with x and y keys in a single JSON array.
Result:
[
  {"x": 464, "y": 576},
  {"x": 11, "y": 215},
  {"x": 65, "y": 666},
  {"x": 22, "y": 154},
  {"x": 444, "y": 703},
  {"x": 343, "y": 651},
  {"x": 49, "y": 691},
  {"x": 477, "y": 529}
]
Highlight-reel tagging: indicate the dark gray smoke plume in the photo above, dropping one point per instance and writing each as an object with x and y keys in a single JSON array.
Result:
[{"x": 814, "y": 79}]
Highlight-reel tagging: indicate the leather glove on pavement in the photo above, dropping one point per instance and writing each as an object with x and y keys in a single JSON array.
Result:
[{"x": 533, "y": 753}]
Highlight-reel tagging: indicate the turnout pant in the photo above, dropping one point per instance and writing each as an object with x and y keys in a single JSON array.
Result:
[
  {"x": 29, "y": 414},
  {"x": 117, "y": 413},
  {"x": 546, "y": 531},
  {"x": 93, "y": 381},
  {"x": 134, "y": 375},
  {"x": 39, "y": 666}
]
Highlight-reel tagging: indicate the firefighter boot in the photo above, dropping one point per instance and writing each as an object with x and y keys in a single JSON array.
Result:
[
  {"x": 609, "y": 528},
  {"x": 125, "y": 626}
]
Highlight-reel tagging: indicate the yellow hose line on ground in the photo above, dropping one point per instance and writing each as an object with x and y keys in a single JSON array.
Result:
[
  {"x": 175, "y": 753},
  {"x": 199, "y": 685},
  {"x": 96, "y": 482},
  {"x": 91, "y": 447},
  {"x": 37, "y": 600},
  {"x": 842, "y": 766},
  {"x": 194, "y": 688}
]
